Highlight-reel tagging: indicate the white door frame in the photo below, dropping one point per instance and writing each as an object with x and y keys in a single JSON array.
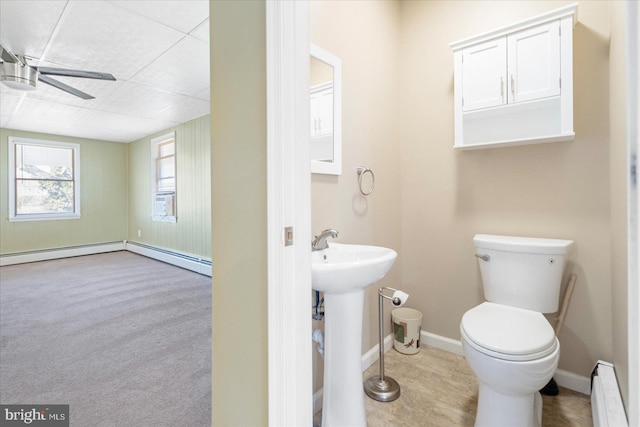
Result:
[
  {"x": 289, "y": 205},
  {"x": 633, "y": 224}
]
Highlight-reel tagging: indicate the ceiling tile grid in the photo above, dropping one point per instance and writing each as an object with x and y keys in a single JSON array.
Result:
[
  {"x": 182, "y": 15},
  {"x": 183, "y": 68},
  {"x": 157, "y": 50},
  {"x": 26, "y": 26}
]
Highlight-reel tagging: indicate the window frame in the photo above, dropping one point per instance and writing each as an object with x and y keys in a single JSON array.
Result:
[
  {"x": 13, "y": 180},
  {"x": 155, "y": 145}
]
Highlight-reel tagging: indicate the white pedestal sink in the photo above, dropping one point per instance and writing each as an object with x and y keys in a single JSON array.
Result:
[{"x": 342, "y": 272}]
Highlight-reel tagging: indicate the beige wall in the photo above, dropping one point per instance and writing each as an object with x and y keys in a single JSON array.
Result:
[
  {"x": 618, "y": 184},
  {"x": 239, "y": 229},
  {"x": 431, "y": 199},
  {"x": 559, "y": 190},
  {"x": 191, "y": 233},
  {"x": 364, "y": 35},
  {"x": 103, "y": 199}
]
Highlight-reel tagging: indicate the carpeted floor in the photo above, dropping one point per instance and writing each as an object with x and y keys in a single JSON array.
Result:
[{"x": 123, "y": 339}]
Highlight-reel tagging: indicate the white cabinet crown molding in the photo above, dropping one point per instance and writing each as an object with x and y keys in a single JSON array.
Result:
[{"x": 567, "y": 11}]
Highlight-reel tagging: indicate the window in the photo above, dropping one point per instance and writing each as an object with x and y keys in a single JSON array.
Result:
[
  {"x": 44, "y": 180},
  {"x": 163, "y": 179}
]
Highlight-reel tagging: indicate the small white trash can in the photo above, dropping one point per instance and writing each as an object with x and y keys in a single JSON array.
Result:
[{"x": 407, "y": 324}]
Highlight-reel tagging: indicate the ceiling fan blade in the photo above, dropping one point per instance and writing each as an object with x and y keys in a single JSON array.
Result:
[
  {"x": 7, "y": 55},
  {"x": 58, "y": 84},
  {"x": 75, "y": 73}
]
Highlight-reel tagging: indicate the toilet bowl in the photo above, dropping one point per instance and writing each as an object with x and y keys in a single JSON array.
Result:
[
  {"x": 509, "y": 344},
  {"x": 513, "y": 352}
]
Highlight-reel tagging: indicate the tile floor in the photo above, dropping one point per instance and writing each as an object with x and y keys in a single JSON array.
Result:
[{"x": 439, "y": 390}]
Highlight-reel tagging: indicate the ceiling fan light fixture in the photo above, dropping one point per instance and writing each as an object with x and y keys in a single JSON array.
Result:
[{"x": 18, "y": 76}]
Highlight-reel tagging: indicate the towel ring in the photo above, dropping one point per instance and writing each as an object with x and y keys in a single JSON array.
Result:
[{"x": 361, "y": 171}]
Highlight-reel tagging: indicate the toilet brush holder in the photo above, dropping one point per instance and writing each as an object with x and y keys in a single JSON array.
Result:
[{"x": 380, "y": 387}]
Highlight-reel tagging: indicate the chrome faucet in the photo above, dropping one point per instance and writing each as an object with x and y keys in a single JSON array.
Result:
[{"x": 320, "y": 242}]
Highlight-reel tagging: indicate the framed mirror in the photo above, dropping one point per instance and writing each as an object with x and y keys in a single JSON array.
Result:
[{"x": 326, "y": 112}]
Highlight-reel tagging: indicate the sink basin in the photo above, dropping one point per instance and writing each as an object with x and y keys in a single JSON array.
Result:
[{"x": 342, "y": 268}]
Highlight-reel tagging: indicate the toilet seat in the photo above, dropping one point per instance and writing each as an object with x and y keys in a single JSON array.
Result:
[{"x": 508, "y": 333}]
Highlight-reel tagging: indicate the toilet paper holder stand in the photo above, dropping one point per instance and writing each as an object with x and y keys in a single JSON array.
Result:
[{"x": 379, "y": 387}]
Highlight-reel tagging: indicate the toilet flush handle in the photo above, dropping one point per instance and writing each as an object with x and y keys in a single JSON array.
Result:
[{"x": 484, "y": 257}]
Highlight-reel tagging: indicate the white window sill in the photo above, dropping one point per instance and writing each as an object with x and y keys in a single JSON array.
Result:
[
  {"x": 165, "y": 219},
  {"x": 42, "y": 217}
]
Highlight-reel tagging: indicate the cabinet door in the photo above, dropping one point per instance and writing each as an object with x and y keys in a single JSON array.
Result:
[
  {"x": 534, "y": 63},
  {"x": 484, "y": 75}
]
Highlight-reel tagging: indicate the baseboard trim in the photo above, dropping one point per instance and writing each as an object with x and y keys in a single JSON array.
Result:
[
  {"x": 572, "y": 381},
  {"x": 179, "y": 259},
  {"x": 50, "y": 254},
  {"x": 442, "y": 343},
  {"x": 564, "y": 378},
  {"x": 372, "y": 356}
]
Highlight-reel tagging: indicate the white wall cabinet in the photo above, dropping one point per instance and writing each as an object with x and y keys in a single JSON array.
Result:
[{"x": 514, "y": 85}]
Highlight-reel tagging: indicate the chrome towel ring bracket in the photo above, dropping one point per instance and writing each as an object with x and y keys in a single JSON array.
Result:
[{"x": 361, "y": 171}]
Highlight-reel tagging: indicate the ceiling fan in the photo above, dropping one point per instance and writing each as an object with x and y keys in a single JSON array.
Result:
[{"x": 17, "y": 74}]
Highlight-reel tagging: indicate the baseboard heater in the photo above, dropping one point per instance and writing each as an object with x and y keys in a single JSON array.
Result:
[
  {"x": 189, "y": 262},
  {"x": 66, "y": 252},
  {"x": 606, "y": 403}
]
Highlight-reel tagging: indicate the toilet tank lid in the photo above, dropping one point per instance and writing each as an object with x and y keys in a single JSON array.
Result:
[{"x": 532, "y": 245}]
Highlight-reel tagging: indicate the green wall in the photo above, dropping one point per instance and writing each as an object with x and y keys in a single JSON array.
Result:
[
  {"x": 103, "y": 199},
  {"x": 239, "y": 221},
  {"x": 191, "y": 233},
  {"x": 115, "y": 196}
]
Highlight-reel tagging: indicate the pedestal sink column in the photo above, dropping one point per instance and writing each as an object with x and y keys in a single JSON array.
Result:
[
  {"x": 343, "y": 395},
  {"x": 343, "y": 272}
]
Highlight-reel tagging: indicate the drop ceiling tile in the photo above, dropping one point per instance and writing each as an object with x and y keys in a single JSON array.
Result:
[
  {"x": 114, "y": 124},
  {"x": 204, "y": 94},
  {"x": 25, "y": 26},
  {"x": 109, "y": 135},
  {"x": 183, "y": 69},
  {"x": 10, "y": 101},
  {"x": 100, "y": 89},
  {"x": 46, "y": 111},
  {"x": 40, "y": 116},
  {"x": 182, "y": 15},
  {"x": 4, "y": 121},
  {"x": 136, "y": 100},
  {"x": 110, "y": 37},
  {"x": 100, "y": 36},
  {"x": 187, "y": 109},
  {"x": 201, "y": 32}
]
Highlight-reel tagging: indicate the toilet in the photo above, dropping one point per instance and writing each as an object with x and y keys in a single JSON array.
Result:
[{"x": 508, "y": 343}]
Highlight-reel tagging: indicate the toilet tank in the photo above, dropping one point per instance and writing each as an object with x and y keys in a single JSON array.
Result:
[{"x": 523, "y": 272}]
